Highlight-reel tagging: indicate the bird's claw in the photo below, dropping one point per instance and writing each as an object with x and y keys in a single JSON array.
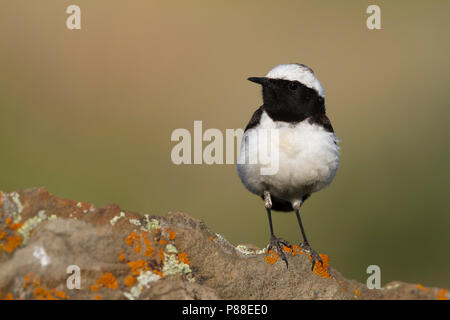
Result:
[
  {"x": 277, "y": 244},
  {"x": 314, "y": 255}
]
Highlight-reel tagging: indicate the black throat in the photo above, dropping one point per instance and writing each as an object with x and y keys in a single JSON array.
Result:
[{"x": 291, "y": 101}]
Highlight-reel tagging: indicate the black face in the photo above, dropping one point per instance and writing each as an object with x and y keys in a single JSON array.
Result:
[{"x": 289, "y": 101}]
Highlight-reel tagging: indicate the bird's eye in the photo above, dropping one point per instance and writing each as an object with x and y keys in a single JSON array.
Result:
[{"x": 293, "y": 85}]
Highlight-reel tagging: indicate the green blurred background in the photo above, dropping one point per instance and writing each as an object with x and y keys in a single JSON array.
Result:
[{"x": 89, "y": 113}]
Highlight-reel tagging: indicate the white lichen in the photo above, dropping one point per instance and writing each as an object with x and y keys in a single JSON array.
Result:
[
  {"x": 190, "y": 278},
  {"x": 173, "y": 266},
  {"x": 391, "y": 286},
  {"x": 150, "y": 224},
  {"x": 117, "y": 218},
  {"x": 136, "y": 222},
  {"x": 170, "y": 248},
  {"x": 261, "y": 251},
  {"x": 220, "y": 237},
  {"x": 79, "y": 205},
  {"x": 15, "y": 197},
  {"x": 244, "y": 250},
  {"x": 247, "y": 251},
  {"x": 31, "y": 224},
  {"x": 143, "y": 281}
]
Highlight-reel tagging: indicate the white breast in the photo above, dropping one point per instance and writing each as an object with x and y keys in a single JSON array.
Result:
[{"x": 308, "y": 159}]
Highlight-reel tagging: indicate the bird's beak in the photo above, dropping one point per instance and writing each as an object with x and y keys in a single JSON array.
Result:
[{"x": 260, "y": 80}]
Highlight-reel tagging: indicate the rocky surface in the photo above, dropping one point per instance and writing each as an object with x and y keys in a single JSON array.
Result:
[{"x": 52, "y": 248}]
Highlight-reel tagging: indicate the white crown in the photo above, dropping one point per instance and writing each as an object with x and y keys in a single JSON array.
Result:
[{"x": 297, "y": 72}]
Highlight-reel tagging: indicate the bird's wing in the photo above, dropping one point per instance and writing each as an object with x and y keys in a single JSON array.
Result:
[
  {"x": 254, "y": 121},
  {"x": 322, "y": 120}
]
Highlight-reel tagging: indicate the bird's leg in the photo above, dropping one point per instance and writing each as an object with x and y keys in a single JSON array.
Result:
[
  {"x": 275, "y": 243},
  {"x": 267, "y": 200},
  {"x": 305, "y": 244}
]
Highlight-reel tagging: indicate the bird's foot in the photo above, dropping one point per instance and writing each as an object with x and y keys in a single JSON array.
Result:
[
  {"x": 277, "y": 244},
  {"x": 314, "y": 255}
]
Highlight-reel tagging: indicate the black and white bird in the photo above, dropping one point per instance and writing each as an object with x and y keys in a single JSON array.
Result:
[{"x": 307, "y": 150}]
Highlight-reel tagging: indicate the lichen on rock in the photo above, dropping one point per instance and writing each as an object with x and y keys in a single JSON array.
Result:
[
  {"x": 114, "y": 220},
  {"x": 143, "y": 282},
  {"x": 148, "y": 257},
  {"x": 30, "y": 224}
]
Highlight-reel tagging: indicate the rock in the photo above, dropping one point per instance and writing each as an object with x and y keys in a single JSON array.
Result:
[{"x": 48, "y": 243}]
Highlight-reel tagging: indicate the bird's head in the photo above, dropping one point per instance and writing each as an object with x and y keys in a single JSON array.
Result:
[{"x": 291, "y": 91}]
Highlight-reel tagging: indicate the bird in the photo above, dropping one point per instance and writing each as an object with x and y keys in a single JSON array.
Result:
[{"x": 307, "y": 151}]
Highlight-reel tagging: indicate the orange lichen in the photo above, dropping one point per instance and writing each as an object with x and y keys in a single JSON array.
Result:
[
  {"x": 95, "y": 287},
  {"x": 121, "y": 256},
  {"x": 16, "y": 226},
  {"x": 8, "y": 221},
  {"x": 107, "y": 280},
  {"x": 9, "y": 296},
  {"x": 149, "y": 251},
  {"x": 158, "y": 272},
  {"x": 143, "y": 244},
  {"x": 296, "y": 250},
  {"x": 357, "y": 292},
  {"x": 145, "y": 237},
  {"x": 12, "y": 242},
  {"x": 421, "y": 287},
  {"x": 272, "y": 257},
  {"x": 97, "y": 297},
  {"x": 131, "y": 238},
  {"x": 211, "y": 238},
  {"x": 43, "y": 294},
  {"x": 130, "y": 280},
  {"x": 2, "y": 235},
  {"x": 36, "y": 282},
  {"x": 40, "y": 292},
  {"x": 26, "y": 280},
  {"x": 138, "y": 266},
  {"x": 137, "y": 248},
  {"x": 182, "y": 257},
  {"x": 442, "y": 294},
  {"x": 322, "y": 270},
  {"x": 319, "y": 269},
  {"x": 60, "y": 294},
  {"x": 161, "y": 254}
]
